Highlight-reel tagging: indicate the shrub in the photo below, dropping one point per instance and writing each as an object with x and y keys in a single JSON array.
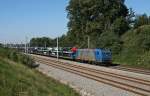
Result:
[
  {"x": 16, "y": 56},
  {"x": 136, "y": 48}
]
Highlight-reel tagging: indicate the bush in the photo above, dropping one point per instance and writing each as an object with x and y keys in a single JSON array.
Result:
[
  {"x": 13, "y": 56},
  {"x": 146, "y": 43},
  {"x": 136, "y": 48},
  {"x": 17, "y": 57},
  {"x": 27, "y": 60}
]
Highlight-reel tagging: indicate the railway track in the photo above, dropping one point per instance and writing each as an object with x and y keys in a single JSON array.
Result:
[
  {"x": 118, "y": 67},
  {"x": 146, "y": 72},
  {"x": 131, "y": 84}
]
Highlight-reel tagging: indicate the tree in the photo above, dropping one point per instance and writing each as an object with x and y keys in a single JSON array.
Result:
[
  {"x": 120, "y": 26},
  {"x": 94, "y": 17},
  {"x": 42, "y": 42},
  {"x": 63, "y": 41},
  {"x": 1, "y": 45},
  {"x": 141, "y": 20},
  {"x": 110, "y": 40}
]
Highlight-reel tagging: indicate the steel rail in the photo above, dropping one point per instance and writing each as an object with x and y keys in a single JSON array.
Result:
[{"x": 146, "y": 72}]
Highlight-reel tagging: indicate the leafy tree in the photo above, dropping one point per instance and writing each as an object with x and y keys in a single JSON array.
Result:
[
  {"x": 94, "y": 17},
  {"x": 131, "y": 17},
  {"x": 120, "y": 26},
  {"x": 63, "y": 41},
  {"x": 141, "y": 20},
  {"x": 110, "y": 40},
  {"x": 1, "y": 45},
  {"x": 42, "y": 42}
]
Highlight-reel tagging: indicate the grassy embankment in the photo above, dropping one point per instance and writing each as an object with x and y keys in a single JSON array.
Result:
[
  {"x": 136, "y": 48},
  {"x": 19, "y": 80}
]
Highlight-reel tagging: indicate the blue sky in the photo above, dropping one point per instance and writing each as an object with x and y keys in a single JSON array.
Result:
[
  {"x": 36, "y": 18},
  {"x": 139, "y": 6}
]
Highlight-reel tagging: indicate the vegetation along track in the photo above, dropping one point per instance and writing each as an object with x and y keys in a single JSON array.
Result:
[{"x": 135, "y": 85}]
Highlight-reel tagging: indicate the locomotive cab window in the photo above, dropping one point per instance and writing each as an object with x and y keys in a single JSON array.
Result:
[{"x": 97, "y": 53}]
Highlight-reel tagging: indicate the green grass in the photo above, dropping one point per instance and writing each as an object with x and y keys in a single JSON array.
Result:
[
  {"x": 133, "y": 59},
  {"x": 19, "y": 80}
]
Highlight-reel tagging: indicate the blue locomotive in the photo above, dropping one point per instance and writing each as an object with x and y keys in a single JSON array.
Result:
[{"x": 93, "y": 55}]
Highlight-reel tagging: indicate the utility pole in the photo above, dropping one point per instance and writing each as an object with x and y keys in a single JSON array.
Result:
[
  {"x": 21, "y": 46},
  {"x": 88, "y": 42},
  {"x": 88, "y": 37},
  {"x": 29, "y": 47},
  {"x": 29, "y": 44},
  {"x": 45, "y": 44},
  {"x": 5, "y": 44},
  {"x": 26, "y": 45},
  {"x": 57, "y": 48}
]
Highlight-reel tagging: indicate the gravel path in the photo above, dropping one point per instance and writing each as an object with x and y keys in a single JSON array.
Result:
[{"x": 85, "y": 86}]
